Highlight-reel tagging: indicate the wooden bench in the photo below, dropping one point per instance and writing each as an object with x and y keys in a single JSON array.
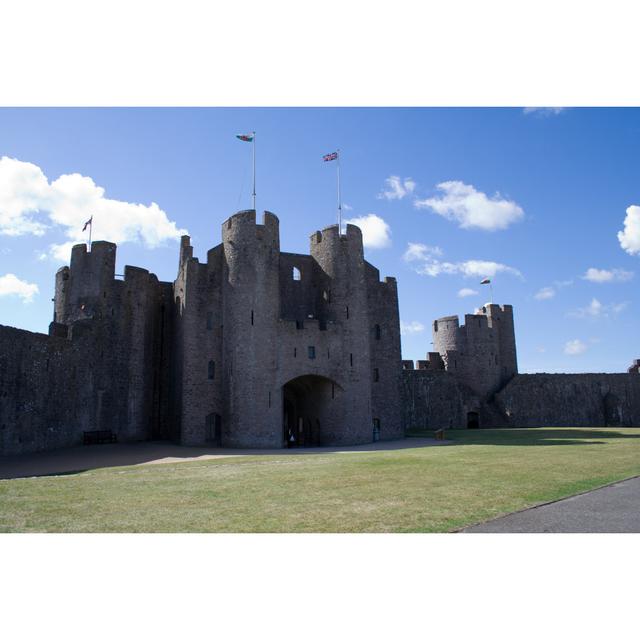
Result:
[{"x": 99, "y": 437}]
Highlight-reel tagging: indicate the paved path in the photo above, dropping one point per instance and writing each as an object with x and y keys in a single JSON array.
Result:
[
  {"x": 119, "y": 455},
  {"x": 612, "y": 509}
]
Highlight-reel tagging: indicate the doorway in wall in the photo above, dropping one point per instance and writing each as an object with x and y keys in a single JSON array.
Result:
[
  {"x": 308, "y": 410},
  {"x": 473, "y": 420}
]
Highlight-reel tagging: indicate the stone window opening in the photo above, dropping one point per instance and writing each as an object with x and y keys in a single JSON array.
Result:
[
  {"x": 296, "y": 274},
  {"x": 351, "y": 359},
  {"x": 211, "y": 370},
  {"x": 376, "y": 375},
  {"x": 295, "y": 352},
  {"x": 209, "y": 320},
  {"x": 377, "y": 332},
  {"x": 269, "y": 399},
  {"x": 251, "y": 317},
  {"x": 346, "y": 309},
  {"x": 311, "y": 352},
  {"x": 299, "y": 325}
]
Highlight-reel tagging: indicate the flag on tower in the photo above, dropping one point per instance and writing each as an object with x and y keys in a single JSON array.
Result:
[
  {"x": 245, "y": 137},
  {"x": 485, "y": 281},
  {"x": 330, "y": 156},
  {"x": 88, "y": 223}
]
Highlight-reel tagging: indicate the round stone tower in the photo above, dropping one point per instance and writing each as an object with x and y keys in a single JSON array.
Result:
[{"x": 251, "y": 311}]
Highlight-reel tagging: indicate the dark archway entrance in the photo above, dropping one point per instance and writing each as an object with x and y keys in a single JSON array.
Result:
[
  {"x": 473, "y": 420},
  {"x": 309, "y": 410}
]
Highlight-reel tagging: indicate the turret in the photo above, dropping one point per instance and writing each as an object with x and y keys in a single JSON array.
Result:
[
  {"x": 251, "y": 311},
  {"x": 83, "y": 287}
]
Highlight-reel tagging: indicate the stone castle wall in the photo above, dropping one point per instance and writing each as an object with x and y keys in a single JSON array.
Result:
[
  {"x": 215, "y": 356},
  {"x": 571, "y": 400},
  {"x": 439, "y": 399},
  {"x": 482, "y": 351}
]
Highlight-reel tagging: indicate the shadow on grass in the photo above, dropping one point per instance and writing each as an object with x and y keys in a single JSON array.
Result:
[{"x": 528, "y": 437}]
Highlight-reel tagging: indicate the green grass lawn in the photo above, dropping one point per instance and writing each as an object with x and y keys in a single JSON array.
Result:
[{"x": 482, "y": 475}]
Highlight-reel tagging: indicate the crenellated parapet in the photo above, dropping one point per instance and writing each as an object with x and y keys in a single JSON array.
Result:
[{"x": 482, "y": 351}]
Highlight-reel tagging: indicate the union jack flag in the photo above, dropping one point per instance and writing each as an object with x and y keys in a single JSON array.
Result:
[{"x": 330, "y": 156}]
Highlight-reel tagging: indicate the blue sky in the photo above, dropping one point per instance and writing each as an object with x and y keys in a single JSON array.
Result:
[{"x": 534, "y": 199}]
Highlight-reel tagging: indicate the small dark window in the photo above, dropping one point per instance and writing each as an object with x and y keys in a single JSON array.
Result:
[
  {"x": 312, "y": 353},
  {"x": 269, "y": 399},
  {"x": 351, "y": 359},
  {"x": 377, "y": 332},
  {"x": 212, "y": 370},
  {"x": 328, "y": 356},
  {"x": 252, "y": 316},
  {"x": 376, "y": 429},
  {"x": 295, "y": 352},
  {"x": 333, "y": 390},
  {"x": 209, "y": 320},
  {"x": 346, "y": 310},
  {"x": 296, "y": 274},
  {"x": 299, "y": 325},
  {"x": 376, "y": 375}
]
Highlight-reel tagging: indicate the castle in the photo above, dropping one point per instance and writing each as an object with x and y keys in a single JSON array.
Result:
[
  {"x": 252, "y": 348},
  {"x": 260, "y": 348},
  {"x": 471, "y": 380}
]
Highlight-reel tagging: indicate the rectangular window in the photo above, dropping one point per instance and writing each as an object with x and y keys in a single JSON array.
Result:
[
  {"x": 295, "y": 352},
  {"x": 212, "y": 370},
  {"x": 376, "y": 375},
  {"x": 346, "y": 309},
  {"x": 351, "y": 359},
  {"x": 252, "y": 316},
  {"x": 209, "y": 320},
  {"x": 299, "y": 325},
  {"x": 312, "y": 353},
  {"x": 377, "y": 332}
]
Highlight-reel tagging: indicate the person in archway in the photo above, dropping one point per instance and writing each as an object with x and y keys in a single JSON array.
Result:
[{"x": 292, "y": 439}]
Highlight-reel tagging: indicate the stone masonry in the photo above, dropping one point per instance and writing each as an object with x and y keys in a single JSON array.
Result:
[{"x": 253, "y": 347}]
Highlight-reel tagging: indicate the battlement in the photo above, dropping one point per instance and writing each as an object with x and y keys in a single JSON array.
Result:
[
  {"x": 482, "y": 351},
  {"x": 242, "y": 227},
  {"x": 331, "y": 234}
]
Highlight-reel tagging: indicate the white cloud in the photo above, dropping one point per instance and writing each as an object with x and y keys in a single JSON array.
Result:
[
  {"x": 545, "y": 293},
  {"x": 472, "y": 209},
  {"x": 376, "y": 233},
  {"x": 411, "y": 327},
  {"x": 417, "y": 251},
  {"x": 29, "y": 204},
  {"x": 430, "y": 265},
  {"x": 544, "y": 111},
  {"x": 347, "y": 207},
  {"x": 11, "y": 285},
  {"x": 595, "y": 309},
  {"x": 607, "y": 275},
  {"x": 397, "y": 188},
  {"x": 465, "y": 293},
  {"x": 630, "y": 238},
  {"x": 575, "y": 347}
]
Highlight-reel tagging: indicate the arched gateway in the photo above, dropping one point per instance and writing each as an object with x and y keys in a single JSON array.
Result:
[{"x": 311, "y": 410}]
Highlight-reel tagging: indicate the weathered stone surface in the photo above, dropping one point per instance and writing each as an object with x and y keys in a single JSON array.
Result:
[{"x": 236, "y": 351}]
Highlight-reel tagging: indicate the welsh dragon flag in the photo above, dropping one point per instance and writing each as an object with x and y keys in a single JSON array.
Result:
[{"x": 245, "y": 137}]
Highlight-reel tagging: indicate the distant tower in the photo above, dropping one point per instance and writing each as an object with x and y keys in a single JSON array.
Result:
[{"x": 482, "y": 351}]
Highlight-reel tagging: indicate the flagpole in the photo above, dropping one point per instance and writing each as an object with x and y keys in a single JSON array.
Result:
[
  {"x": 339, "y": 199},
  {"x": 254, "y": 171},
  {"x": 90, "y": 230}
]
